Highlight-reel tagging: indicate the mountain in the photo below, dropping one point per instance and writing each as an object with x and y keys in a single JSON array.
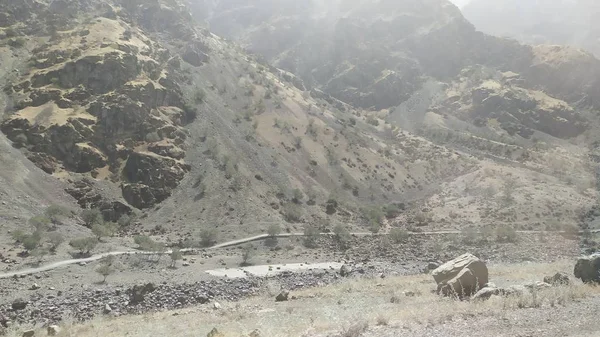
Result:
[
  {"x": 565, "y": 22},
  {"x": 236, "y": 114}
]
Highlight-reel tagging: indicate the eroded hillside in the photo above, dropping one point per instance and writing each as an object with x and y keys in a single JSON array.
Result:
[{"x": 398, "y": 114}]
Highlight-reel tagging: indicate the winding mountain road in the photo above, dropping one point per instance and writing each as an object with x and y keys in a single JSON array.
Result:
[{"x": 58, "y": 264}]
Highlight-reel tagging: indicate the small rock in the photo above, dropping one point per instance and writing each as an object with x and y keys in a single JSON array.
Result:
[
  {"x": 215, "y": 333},
  {"x": 558, "y": 279},
  {"x": 28, "y": 333},
  {"x": 486, "y": 293},
  {"x": 255, "y": 333},
  {"x": 19, "y": 304},
  {"x": 53, "y": 330},
  {"x": 82, "y": 263},
  {"x": 345, "y": 270},
  {"x": 185, "y": 264},
  {"x": 216, "y": 306},
  {"x": 107, "y": 309},
  {"x": 283, "y": 296},
  {"x": 34, "y": 286},
  {"x": 410, "y": 294}
]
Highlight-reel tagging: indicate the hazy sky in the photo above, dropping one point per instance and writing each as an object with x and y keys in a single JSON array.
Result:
[{"x": 460, "y": 3}]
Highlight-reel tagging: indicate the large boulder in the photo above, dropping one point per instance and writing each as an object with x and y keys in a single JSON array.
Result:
[
  {"x": 461, "y": 277},
  {"x": 587, "y": 268}
]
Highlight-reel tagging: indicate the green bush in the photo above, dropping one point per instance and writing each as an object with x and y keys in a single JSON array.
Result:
[
  {"x": 274, "y": 230},
  {"x": 91, "y": 217},
  {"x": 208, "y": 237},
  {"x": 292, "y": 212},
  {"x": 56, "y": 212},
  {"x": 84, "y": 245},
  {"x": 311, "y": 233},
  {"x": 505, "y": 233},
  {"x": 342, "y": 235},
  {"x": 398, "y": 235}
]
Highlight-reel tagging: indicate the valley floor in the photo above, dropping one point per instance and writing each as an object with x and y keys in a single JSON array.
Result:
[{"x": 392, "y": 306}]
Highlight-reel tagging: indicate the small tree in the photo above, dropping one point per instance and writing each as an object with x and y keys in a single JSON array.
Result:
[
  {"x": 39, "y": 253},
  {"x": 208, "y": 237},
  {"x": 310, "y": 236},
  {"x": 55, "y": 239},
  {"x": 292, "y": 212},
  {"x": 247, "y": 254},
  {"x": 505, "y": 233},
  {"x": 398, "y": 235},
  {"x": 56, "y": 212},
  {"x": 297, "y": 196},
  {"x": 342, "y": 235},
  {"x": 91, "y": 217},
  {"x": 106, "y": 268},
  {"x": 102, "y": 230},
  {"x": 31, "y": 242},
  {"x": 274, "y": 230},
  {"x": 84, "y": 245},
  {"x": 40, "y": 223},
  {"x": 175, "y": 256}
]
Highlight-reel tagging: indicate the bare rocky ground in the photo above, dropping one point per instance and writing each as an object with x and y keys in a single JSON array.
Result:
[
  {"x": 77, "y": 290},
  {"x": 369, "y": 306}
]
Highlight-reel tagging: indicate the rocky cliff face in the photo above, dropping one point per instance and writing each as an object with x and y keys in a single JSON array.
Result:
[
  {"x": 377, "y": 55},
  {"x": 100, "y": 99}
]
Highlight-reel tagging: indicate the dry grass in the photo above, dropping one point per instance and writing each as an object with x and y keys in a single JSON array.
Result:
[{"x": 345, "y": 309}]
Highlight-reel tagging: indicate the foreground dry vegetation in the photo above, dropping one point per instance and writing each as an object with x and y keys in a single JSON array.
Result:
[{"x": 388, "y": 306}]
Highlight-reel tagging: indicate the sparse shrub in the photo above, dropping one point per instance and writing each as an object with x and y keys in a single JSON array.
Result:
[
  {"x": 469, "y": 236},
  {"x": 17, "y": 42},
  {"x": 126, "y": 220},
  {"x": 391, "y": 211},
  {"x": 56, "y": 212},
  {"x": 40, "y": 222},
  {"x": 175, "y": 255},
  {"x": 505, "y": 233},
  {"x": 102, "y": 230},
  {"x": 208, "y": 237},
  {"x": 55, "y": 239},
  {"x": 260, "y": 107},
  {"x": 423, "y": 218},
  {"x": 311, "y": 233},
  {"x": 106, "y": 267},
  {"x": 373, "y": 215},
  {"x": 298, "y": 142},
  {"x": 382, "y": 320},
  {"x": 247, "y": 254},
  {"x": 274, "y": 230},
  {"x": 297, "y": 196},
  {"x": 373, "y": 121},
  {"x": 398, "y": 235},
  {"x": 311, "y": 129},
  {"x": 292, "y": 212},
  {"x": 199, "y": 96},
  {"x": 355, "y": 330},
  {"x": 237, "y": 183},
  {"x": 91, "y": 217},
  {"x": 31, "y": 242},
  {"x": 84, "y": 245},
  {"x": 342, "y": 235}
]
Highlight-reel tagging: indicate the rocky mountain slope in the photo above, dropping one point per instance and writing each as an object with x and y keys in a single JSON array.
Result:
[
  {"x": 395, "y": 114},
  {"x": 556, "y": 22}
]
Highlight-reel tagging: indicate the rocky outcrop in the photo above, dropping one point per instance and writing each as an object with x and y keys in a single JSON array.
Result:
[
  {"x": 89, "y": 109},
  {"x": 150, "y": 178},
  {"x": 587, "y": 269},
  {"x": 461, "y": 277},
  {"x": 481, "y": 94}
]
